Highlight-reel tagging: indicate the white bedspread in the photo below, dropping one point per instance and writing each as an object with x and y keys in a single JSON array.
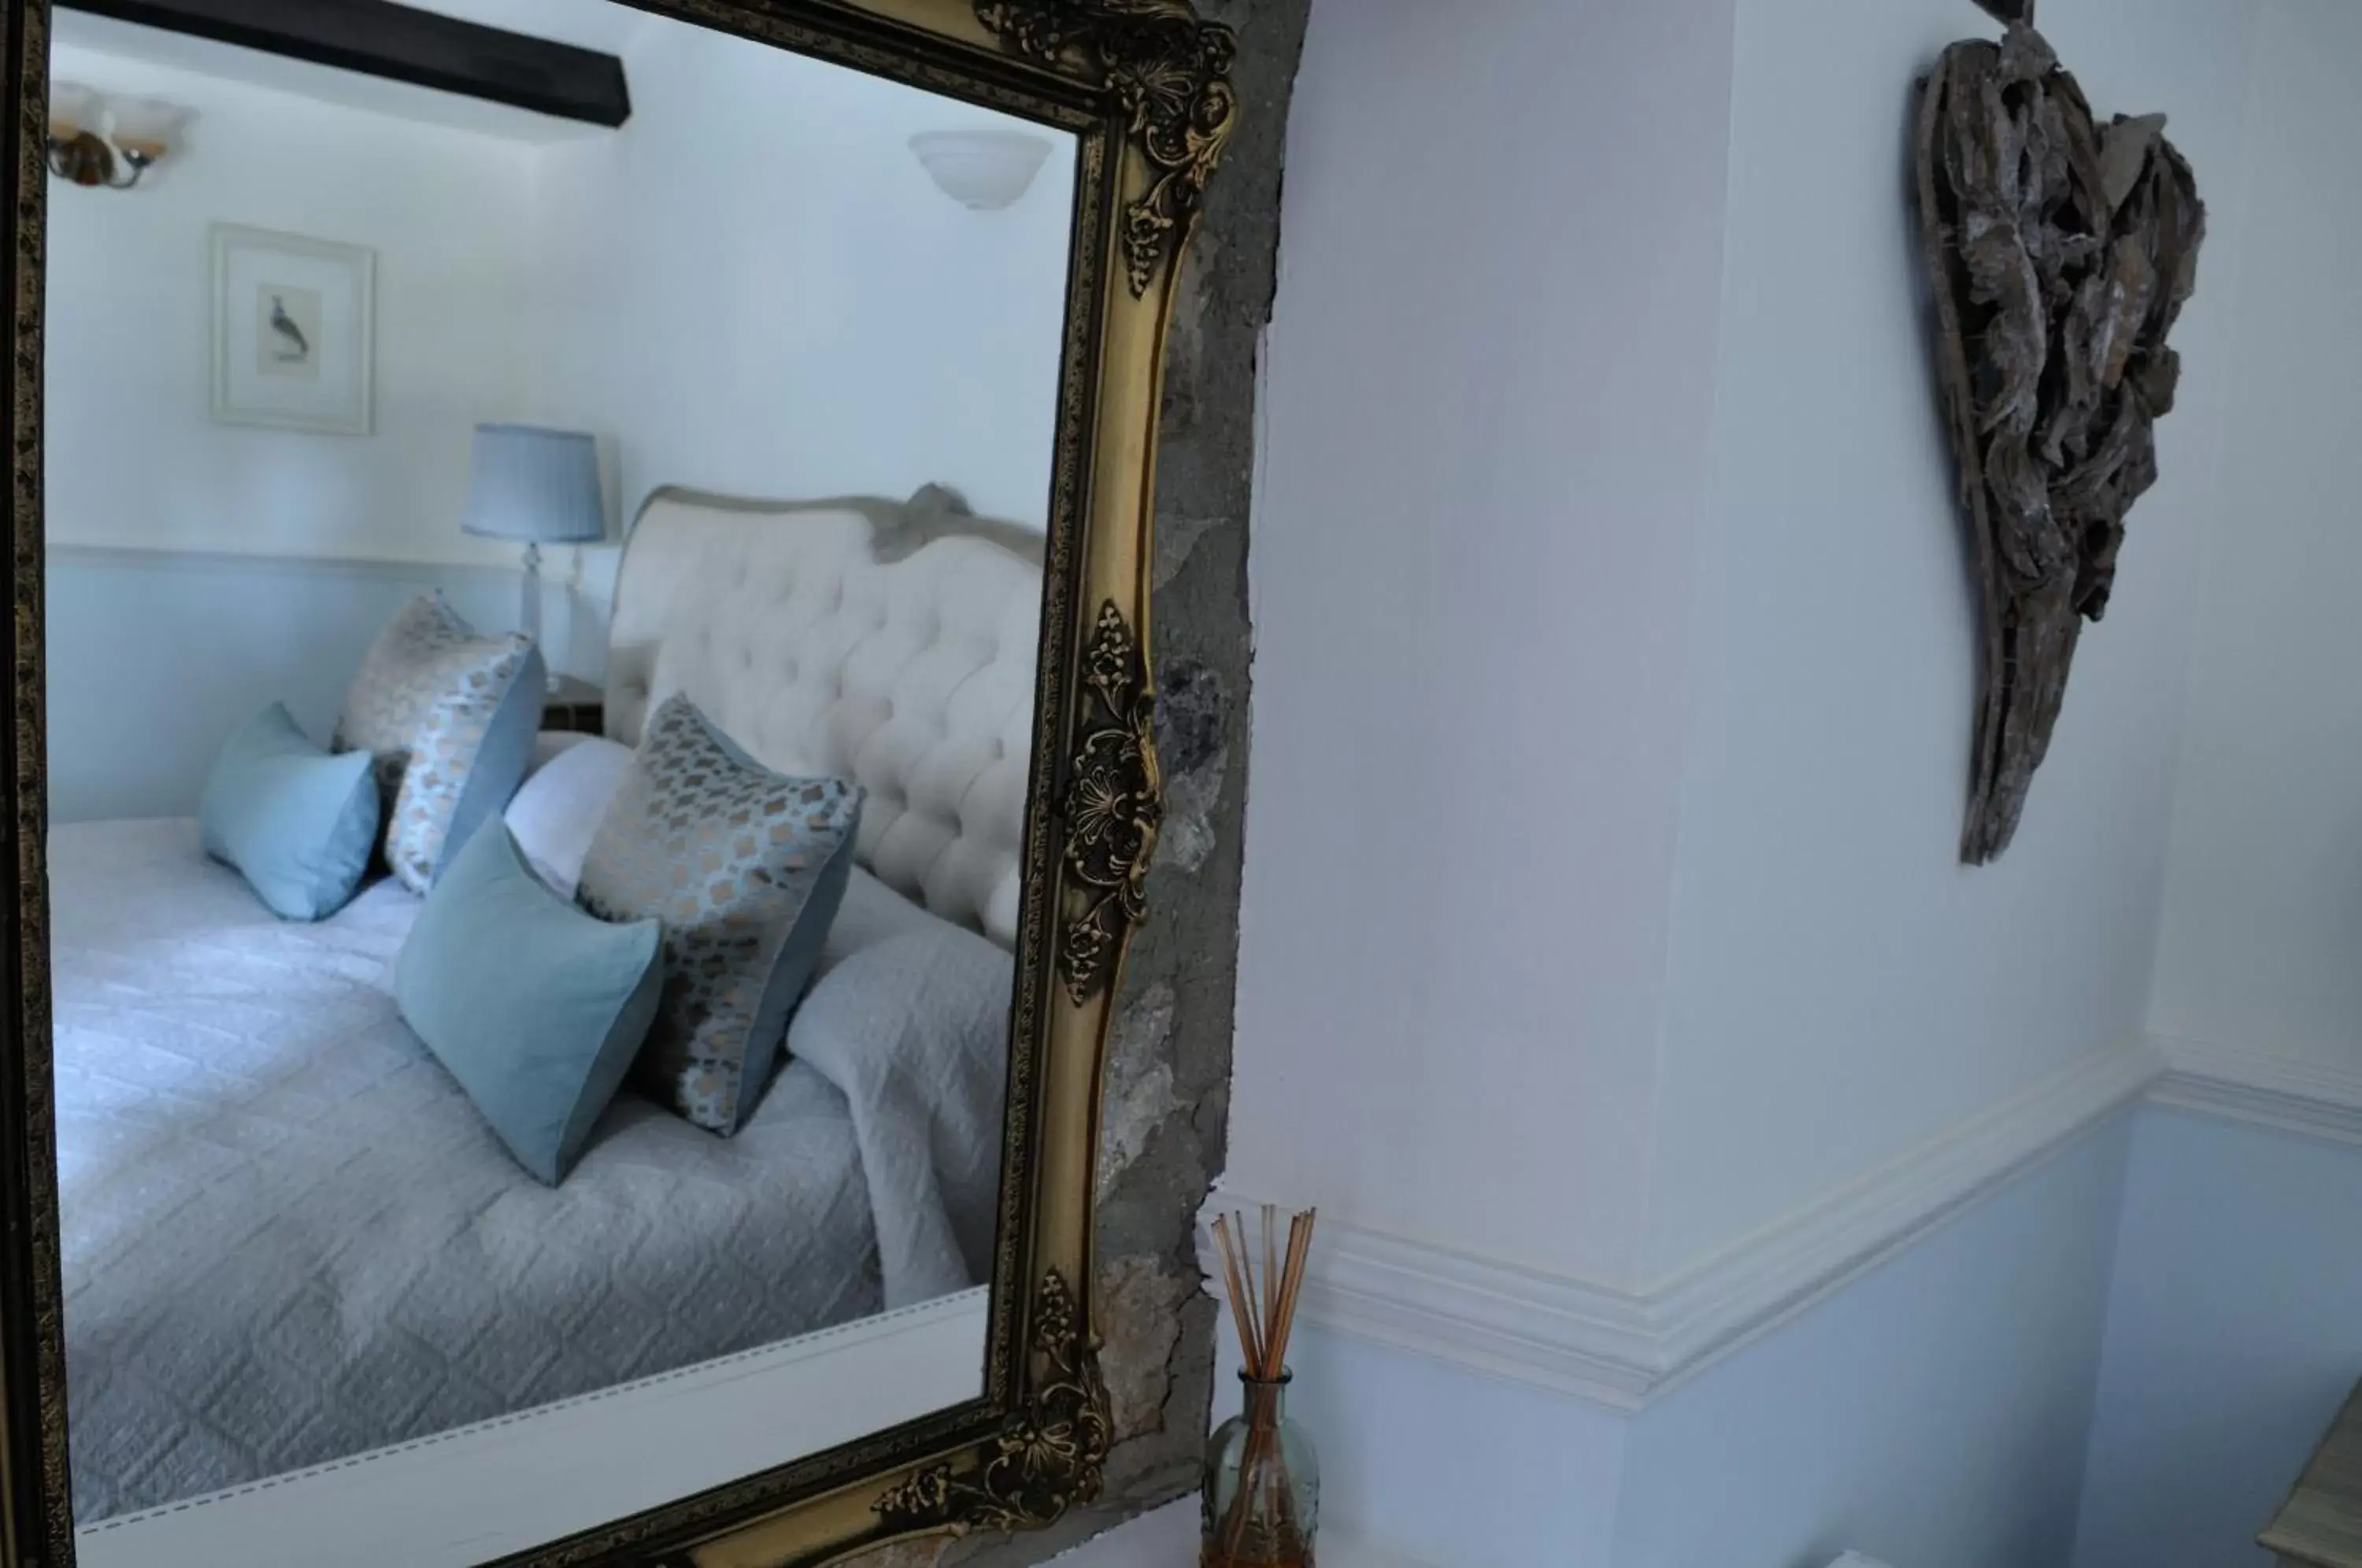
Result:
[{"x": 288, "y": 1237}]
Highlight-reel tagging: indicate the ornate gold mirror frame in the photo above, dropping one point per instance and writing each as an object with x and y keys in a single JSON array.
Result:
[{"x": 1144, "y": 85}]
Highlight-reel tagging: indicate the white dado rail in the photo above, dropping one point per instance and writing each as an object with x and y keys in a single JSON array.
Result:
[
  {"x": 1622, "y": 1348},
  {"x": 2269, "y": 1090}
]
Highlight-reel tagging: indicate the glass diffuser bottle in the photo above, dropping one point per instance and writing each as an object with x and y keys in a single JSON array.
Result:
[
  {"x": 1262, "y": 1491},
  {"x": 1261, "y": 1495}
]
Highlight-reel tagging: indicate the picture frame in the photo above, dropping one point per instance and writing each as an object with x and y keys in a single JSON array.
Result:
[
  {"x": 1144, "y": 87},
  {"x": 294, "y": 331}
]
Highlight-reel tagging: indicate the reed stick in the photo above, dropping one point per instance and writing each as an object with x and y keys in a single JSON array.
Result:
[
  {"x": 1257, "y": 1327},
  {"x": 1270, "y": 1282},
  {"x": 1238, "y": 1291},
  {"x": 1299, "y": 1251}
]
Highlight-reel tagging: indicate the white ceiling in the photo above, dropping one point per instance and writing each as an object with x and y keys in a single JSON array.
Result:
[{"x": 590, "y": 24}]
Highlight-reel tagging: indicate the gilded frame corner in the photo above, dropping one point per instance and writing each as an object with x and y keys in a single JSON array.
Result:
[{"x": 1144, "y": 87}]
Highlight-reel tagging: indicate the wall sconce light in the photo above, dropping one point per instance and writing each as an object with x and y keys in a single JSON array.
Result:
[
  {"x": 111, "y": 142},
  {"x": 983, "y": 169}
]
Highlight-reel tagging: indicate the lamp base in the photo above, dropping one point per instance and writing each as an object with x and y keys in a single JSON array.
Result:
[{"x": 529, "y": 613}]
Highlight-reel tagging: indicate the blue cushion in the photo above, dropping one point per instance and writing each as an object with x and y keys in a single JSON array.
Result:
[
  {"x": 298, "y": 822},
  {"x": 535, "y": 1007},
  {"x": 503, "y": 759}
]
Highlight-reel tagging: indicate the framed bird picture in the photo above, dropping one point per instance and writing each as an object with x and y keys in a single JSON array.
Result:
[{"x": 294, "y": 330}]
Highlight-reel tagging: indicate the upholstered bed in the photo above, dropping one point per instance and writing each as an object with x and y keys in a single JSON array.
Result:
[
  {"x": 894, "y": 646},
  {"x": 289, "y": 1237}
]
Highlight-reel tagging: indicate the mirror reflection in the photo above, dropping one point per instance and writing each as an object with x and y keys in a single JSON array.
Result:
[{"x": 542, "y": 625}]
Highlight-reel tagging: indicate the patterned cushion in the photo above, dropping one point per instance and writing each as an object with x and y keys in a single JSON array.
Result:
[
  {"x": 450, "y": 717},
  {"x": 744, "y": 870}
]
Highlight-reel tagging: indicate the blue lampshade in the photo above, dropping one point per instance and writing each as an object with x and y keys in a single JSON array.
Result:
[{"x": 535, "y": 484}]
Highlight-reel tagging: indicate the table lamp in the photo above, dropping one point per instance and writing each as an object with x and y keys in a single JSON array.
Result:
[{"x": 540, "y": 486}]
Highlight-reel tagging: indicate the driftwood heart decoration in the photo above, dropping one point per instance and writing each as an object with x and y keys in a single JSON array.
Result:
[{"x": 2061, "y": 251}]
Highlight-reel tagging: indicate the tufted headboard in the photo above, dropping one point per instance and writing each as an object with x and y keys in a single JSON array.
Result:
[{"x": 892, "y": 643}]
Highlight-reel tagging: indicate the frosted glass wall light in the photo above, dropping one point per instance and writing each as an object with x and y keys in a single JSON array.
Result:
[{"x": 983, "y": 169}]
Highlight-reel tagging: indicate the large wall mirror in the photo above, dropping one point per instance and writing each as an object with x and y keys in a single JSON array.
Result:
[{"x": 582, "y": 766}]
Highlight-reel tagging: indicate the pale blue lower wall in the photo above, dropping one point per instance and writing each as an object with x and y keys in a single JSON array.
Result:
[
  {"x": 1931, "y": 1414},
  {"x": 155, "y": 658},
  {"x": 2235, "y": 1331},
  {"x": 2121, "y": 1359}
]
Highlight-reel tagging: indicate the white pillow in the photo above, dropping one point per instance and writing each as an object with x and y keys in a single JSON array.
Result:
[
  {"x": 557, "y": 812},
  {"x": 550, "y": 744}
]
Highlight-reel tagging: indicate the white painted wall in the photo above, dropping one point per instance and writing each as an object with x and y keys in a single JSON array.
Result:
[
  {"x": 1618, "y": 541},
  {"x": 237, "y": 565},
  {"x": 134, "y": 457},
  {"x": 1489, "y": 383},
  {"x": 2262, "y": 945},
  {"x": 2236, "y": 1326},
  {"x": 755, "y": 288},
  {"x": 1839, "y": 987},
  {"x": 1623, "y": 534}
]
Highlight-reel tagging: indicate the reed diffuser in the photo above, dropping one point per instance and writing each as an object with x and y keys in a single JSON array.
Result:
[{"x": 1261, "y": 1495}]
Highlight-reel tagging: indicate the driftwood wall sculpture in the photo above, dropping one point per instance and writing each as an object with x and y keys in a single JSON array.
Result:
[{"x": 2061, "y": 251}]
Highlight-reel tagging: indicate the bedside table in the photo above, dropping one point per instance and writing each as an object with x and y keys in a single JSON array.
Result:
[
  {"x": 2321, "y": 1524},
  {"x": 575, "y": 705}
]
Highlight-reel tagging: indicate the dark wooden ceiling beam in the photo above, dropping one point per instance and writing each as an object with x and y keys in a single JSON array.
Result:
[{"x": 403, "y": 43}]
